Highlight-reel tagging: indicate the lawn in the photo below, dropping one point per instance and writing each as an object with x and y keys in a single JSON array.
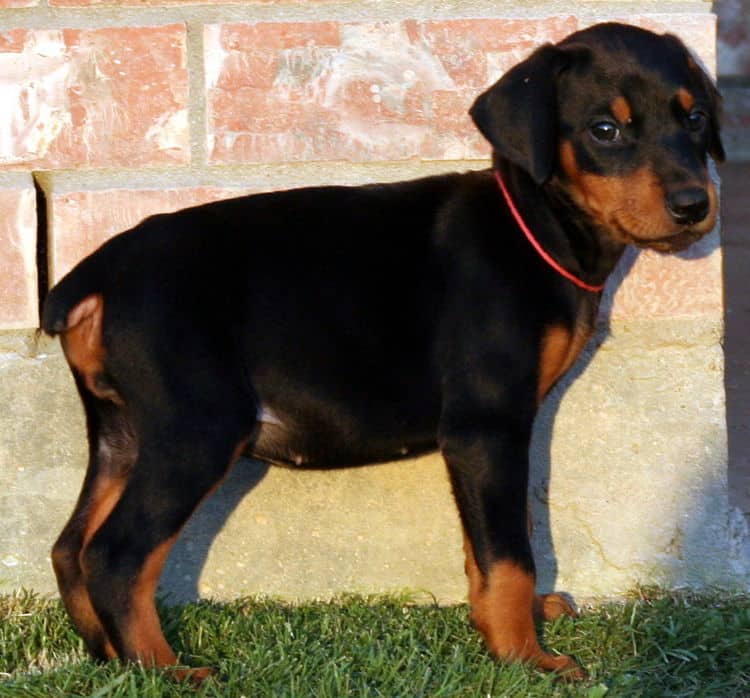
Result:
[{"x": 654, "y": 644}]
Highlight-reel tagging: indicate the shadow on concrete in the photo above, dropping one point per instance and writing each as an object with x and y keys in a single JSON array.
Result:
[
  {"x": 541, "y": 447},
  {"x": 182, "y": 572}
]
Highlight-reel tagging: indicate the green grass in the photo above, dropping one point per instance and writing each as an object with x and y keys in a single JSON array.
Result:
[{"x": 655, "y": 644}]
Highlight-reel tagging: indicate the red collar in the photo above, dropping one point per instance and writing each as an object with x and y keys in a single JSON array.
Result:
[{"x": 535, "y": 243}]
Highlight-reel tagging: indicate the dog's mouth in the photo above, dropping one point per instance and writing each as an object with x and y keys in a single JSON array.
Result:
[
  {"x": 676, "y": 242},
  {"x": 658, "y": 233},
  {"x": 648, "y": 227}
]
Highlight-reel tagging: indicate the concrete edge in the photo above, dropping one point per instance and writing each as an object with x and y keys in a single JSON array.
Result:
[
  {"x": 343, "y": 10},
  {"x": 266, "y": 176}
]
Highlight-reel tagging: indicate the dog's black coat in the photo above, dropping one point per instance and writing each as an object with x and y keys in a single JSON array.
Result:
[{"x": 338, "y": 325}]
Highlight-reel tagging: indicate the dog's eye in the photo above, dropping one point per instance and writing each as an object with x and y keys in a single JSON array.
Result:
[
  {"x": 605, "y": 131},
  {"x": 696, "y": 121}
]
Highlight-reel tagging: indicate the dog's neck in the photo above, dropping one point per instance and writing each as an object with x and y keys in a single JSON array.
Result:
[{"x": 560, "y": 227}]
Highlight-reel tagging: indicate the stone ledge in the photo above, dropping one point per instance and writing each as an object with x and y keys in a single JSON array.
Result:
[
  {"x": 205, "y": 11},
  {"x": 629, "y": 485},
  {"x": 629, "y": 334}
]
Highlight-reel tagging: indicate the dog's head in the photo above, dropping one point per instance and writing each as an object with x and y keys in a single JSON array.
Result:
[{"x": 621, "y": 120}]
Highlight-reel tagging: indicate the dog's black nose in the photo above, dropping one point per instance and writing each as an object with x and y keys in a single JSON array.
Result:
[{"x": 689, "y": 205}]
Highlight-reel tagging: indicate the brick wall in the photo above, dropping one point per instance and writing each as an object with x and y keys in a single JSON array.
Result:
[{"x": 123, "y": 109}]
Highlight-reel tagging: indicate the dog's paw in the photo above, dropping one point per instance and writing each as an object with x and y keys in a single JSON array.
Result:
[
  {"x": 564, "y": 666},
  {"x": 195, "y": 676},
  {"x": 567, "y": 667},
  {"x": 552, "y": 606}
]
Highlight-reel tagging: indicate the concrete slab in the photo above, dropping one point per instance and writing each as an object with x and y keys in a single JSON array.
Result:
[{"x": 629, "y": 486}]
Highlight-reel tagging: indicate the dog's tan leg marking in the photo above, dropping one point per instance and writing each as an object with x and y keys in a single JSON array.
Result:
[
  {"x": 560, "y": 349},
  {"x": 143, "y": 637},
  {"x": 552, "y": 606},
  {"x": 502, "y": 605}
]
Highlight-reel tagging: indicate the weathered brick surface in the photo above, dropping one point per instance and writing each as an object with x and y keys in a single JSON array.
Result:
[
  {"x": 18, "y": 279},
  {"x": 94, "y": 97},
  {"x": 284, "y": 91},
  {"x": 357, "y": 91},
  {"x": 81, "y": 221}
]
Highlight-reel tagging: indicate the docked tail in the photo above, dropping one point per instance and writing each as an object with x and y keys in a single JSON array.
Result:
[{"x": 83, "y": 281}]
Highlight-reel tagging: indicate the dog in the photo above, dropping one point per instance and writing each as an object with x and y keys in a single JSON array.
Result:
[{"x": 331, "y": 326}]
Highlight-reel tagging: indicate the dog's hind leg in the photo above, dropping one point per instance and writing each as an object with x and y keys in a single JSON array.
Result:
[
  {"x": 112, "y": 452},
  {"x": 181, "y": 459}
]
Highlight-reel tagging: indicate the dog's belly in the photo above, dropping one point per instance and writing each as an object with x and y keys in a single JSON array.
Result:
[{"x": 317, "y": 443}]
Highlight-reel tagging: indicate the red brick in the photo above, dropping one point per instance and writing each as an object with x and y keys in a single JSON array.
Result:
[
  {"x": 12, "y": 41},
  {"x": 81, "y": 221},
  {"x": 279, "y": 35},
  {"x": 18, "y": 3},
  {"x": 476, "y": 51},
  {"x": 94, "y": 97},
  {"x": 18, "y": 279},
  {"x": 357, "y": 91}
]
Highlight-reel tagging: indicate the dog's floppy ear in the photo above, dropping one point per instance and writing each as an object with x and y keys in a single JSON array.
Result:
[
  {"x": 715, "y": 146},
  {"x": 518, "y": 114}
]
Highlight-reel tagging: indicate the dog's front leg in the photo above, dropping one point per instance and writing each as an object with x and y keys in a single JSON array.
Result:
[{"x": 487, "y": 458}]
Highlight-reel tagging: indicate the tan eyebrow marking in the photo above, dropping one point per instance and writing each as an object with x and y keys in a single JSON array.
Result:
[
  {"x": 621, "y": 109},
  {"x": 685, "y": 99}
]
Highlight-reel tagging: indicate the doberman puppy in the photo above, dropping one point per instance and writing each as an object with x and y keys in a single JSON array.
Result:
[{"x": 330, "y": 326}]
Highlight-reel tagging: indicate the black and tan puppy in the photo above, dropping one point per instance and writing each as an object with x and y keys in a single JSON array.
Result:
[{"x": 337, "y": 325}]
